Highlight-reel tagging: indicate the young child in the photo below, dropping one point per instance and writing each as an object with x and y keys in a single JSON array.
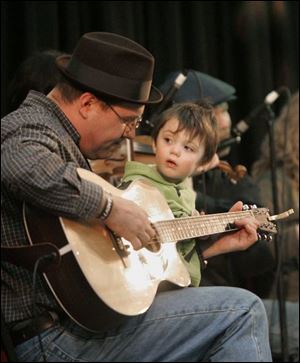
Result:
[{"x": 184, "y": 141}]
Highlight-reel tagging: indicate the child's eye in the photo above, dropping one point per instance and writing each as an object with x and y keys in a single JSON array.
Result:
[
  {"x": 188, "y": 148},
  {"x": 167, "y": 140}
]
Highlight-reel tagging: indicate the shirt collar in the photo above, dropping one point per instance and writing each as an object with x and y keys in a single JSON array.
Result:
[{"x": 39, "y": 99}]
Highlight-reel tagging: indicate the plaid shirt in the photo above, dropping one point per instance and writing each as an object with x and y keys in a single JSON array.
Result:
[{"x": 39, "y": 157}]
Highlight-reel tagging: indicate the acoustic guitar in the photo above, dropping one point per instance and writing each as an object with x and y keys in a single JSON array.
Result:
[{"x": 101, "y": 279}]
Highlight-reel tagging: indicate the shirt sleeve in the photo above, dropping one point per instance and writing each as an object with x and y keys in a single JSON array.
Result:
[{"x": 39, "y": 168}]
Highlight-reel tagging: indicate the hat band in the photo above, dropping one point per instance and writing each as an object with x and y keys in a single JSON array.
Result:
[{"x": 134, "y": 90}]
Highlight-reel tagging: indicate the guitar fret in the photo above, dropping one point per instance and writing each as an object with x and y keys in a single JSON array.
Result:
[{"x": 190, "y": 227}]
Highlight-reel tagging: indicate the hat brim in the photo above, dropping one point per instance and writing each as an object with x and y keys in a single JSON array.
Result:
[
  {"x": 224, "y": 99},
  {"x": 62, "y": 62}
]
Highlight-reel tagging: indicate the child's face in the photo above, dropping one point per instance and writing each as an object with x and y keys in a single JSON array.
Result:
[{"x": 177, "y": 157}]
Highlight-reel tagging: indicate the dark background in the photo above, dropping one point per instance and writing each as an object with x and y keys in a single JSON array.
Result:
[{"x": 252, "y": 45}]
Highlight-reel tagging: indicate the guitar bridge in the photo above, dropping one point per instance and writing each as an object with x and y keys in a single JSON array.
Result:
[{"x": 120, "y": 247}]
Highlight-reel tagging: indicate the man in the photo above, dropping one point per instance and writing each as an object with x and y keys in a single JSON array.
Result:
[{"x": 100, "y": 100}]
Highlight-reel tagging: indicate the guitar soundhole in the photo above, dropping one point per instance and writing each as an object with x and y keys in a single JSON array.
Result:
[{"x": 153, "y": 247}]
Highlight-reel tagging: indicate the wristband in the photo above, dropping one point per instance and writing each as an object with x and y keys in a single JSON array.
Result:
[{"x": 108, "y": 208}]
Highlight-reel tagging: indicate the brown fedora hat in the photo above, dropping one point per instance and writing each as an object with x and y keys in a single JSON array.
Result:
[{"x": 112, "y": 65}]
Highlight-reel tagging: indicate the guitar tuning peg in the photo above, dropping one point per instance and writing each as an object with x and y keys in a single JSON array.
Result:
[
  {"x": 253, "y": 206},
  {"x": 259, "y": 236},
  {"x": 269, "y": 238},
  {"x": 246, "y": 207},
  {"x": 264, "y": 236}
]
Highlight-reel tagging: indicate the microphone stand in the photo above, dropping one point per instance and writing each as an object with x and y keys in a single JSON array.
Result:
[{"x": 278, "y": 254}]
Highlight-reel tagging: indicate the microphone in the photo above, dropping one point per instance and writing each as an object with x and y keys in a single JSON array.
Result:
[
  {"x": 228, "y": 142},
  {"x": 263, "y": 109},
  {"x": 178, "y": 82}
]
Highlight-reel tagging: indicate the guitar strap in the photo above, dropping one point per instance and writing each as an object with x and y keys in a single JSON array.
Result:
[{"x": 27, "y": 256}]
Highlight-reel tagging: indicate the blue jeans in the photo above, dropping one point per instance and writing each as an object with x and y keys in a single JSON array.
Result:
[{"x": 209, "y": 324}]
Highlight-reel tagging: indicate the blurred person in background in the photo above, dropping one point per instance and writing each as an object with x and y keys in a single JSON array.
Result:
[
  {"x": 37, "y": 72},
  {"x": 286, "y": 140}
]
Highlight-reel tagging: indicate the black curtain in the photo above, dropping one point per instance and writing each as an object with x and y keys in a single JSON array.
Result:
[{"x": 252, "y": 45}]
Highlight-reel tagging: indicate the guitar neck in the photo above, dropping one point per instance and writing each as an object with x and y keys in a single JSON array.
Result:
[
  {"x": 172, "y": 230},
  {"x": 198, "y": 226}
]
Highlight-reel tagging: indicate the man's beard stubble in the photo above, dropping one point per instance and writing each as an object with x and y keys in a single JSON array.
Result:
[{"x": 113, "y": 150}]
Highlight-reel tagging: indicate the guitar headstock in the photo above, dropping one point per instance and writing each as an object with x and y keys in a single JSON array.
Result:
[{"x": 263, "y": 216}]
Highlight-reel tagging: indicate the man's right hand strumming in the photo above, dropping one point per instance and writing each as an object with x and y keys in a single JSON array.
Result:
[{"x": 131, "y": 222}]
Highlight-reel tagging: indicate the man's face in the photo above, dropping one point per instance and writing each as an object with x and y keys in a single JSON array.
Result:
[
  {"x": 106, "y": 128},
  {"x": 224, "y": 124}
]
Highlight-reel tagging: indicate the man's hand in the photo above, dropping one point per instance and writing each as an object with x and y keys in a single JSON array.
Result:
[{"x": 131, "y": 222}]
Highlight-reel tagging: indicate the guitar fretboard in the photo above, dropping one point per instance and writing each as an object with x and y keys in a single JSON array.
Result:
[{"x": 199, "y": 226}]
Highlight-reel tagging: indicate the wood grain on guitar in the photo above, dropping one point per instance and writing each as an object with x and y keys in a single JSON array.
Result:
[{"x": 107, "y": 268}]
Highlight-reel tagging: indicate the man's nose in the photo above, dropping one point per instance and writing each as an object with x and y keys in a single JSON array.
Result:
[{"x": 129, "y": 133}]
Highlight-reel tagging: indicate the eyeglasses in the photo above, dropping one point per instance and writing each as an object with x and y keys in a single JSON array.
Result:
[{"x": 131, "y": 121}]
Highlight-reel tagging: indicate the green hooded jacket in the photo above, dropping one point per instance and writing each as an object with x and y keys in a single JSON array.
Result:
[{"x": 181, "y": 200}]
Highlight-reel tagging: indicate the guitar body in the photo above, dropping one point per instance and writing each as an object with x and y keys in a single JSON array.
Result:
[{"x": 101, "y": 279}]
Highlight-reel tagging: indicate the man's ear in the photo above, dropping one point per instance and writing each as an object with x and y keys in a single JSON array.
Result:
[{"x": 86, "y": 102}]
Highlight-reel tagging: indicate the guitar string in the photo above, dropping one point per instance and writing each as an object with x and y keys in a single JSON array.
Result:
[{"x": 203, "y": 224}]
